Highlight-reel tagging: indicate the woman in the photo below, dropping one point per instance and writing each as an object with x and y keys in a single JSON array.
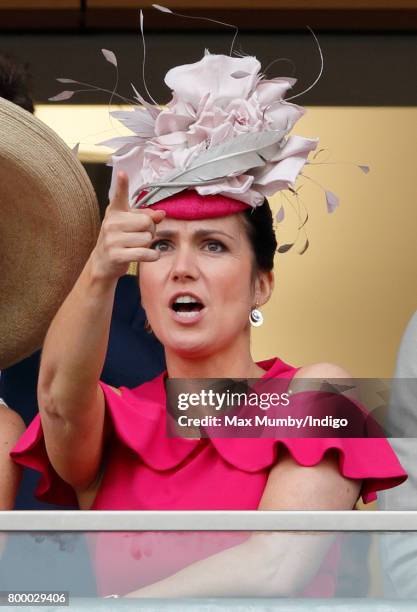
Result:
[
  {"x": 11, "y": 428},
  {"x": 205, "y": 269},
  {"x": 90, "y": 429}
]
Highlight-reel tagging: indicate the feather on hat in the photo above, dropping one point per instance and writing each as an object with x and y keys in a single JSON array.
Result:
[{"x": 225, "y": 133}]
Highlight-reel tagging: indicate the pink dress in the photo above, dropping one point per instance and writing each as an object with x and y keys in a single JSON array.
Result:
[{"x": 147, "y": 470}]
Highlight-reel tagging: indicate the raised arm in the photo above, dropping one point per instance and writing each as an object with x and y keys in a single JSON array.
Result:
[{"x": 70, "y": 400}]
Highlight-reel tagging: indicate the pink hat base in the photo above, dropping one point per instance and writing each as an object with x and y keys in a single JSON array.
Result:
[{"x": 190, "y": 205}]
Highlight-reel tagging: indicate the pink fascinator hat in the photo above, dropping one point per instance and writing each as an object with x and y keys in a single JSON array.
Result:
[{"x": 222, "y": 144}]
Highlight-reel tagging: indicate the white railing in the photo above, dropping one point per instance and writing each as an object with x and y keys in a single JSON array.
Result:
[{"x": 335, "y": 521}]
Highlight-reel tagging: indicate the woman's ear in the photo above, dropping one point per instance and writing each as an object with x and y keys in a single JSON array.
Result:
[{"x": 264, "y": 285}]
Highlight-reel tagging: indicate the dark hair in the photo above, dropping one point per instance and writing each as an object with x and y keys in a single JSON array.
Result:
[
  {"x": 259, "y": 224},
  {"x": 15, "y": 83}
]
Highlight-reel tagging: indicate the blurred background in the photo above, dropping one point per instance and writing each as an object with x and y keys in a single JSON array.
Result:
[{"x": 348, "y": 298}]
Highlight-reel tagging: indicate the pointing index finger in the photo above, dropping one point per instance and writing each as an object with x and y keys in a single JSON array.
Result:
[{"x": 120, "y": 200}]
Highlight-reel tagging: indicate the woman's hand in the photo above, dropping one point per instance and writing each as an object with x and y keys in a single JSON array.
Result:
[{"x": 125, "y": 235}]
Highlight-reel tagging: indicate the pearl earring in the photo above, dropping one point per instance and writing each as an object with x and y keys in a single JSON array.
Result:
[{"x": 256, "y": 318}]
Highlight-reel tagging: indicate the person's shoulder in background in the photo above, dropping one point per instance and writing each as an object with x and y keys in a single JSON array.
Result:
[
  {"x": 402, "y": 421},
  {"x": 11, "y": 428},
  {"x": 407, "y": 355},
  {"x": 11, "y": 425},
  {"x": 399, "y": 550}
]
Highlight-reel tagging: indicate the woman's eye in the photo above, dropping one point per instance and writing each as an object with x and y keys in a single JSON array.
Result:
[
  {"x": 160, "y": 245},
  {"x": 215, "y": 246}
]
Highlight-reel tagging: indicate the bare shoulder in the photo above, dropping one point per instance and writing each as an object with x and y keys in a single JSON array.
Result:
[
  {"x": 11, "y": 425},
  {"x": 323, "y": 370},
  {"x": 311, "y": 377}
]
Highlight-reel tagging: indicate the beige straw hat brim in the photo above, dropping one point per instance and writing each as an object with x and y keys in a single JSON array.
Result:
[{"x": 49, "y": 223}]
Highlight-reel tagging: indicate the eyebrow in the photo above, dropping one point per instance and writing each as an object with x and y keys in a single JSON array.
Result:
[{"x": 201, "y": 233}]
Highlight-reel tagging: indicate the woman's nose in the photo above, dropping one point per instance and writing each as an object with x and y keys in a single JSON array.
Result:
[{"x": 184, "y": 265}]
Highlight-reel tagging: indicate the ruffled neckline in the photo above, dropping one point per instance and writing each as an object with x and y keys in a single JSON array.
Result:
[{"x": 139, "y": 418}]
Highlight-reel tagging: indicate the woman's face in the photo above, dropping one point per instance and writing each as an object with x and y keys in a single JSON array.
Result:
[{"x": 199, "y": 294}]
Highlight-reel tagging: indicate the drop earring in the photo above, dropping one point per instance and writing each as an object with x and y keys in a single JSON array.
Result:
[{"x": 256, "y": 317}]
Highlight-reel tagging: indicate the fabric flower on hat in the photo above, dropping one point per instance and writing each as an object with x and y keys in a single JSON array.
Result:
[
  {"x": 224, "y": 136},
  {"x": 214, "y": 101}
]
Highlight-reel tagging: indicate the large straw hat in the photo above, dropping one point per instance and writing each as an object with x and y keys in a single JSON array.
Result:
[{"x": 49, "y": 223}]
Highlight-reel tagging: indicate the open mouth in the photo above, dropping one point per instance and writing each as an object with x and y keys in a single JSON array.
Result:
[{"x": 187, "y": 306}]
